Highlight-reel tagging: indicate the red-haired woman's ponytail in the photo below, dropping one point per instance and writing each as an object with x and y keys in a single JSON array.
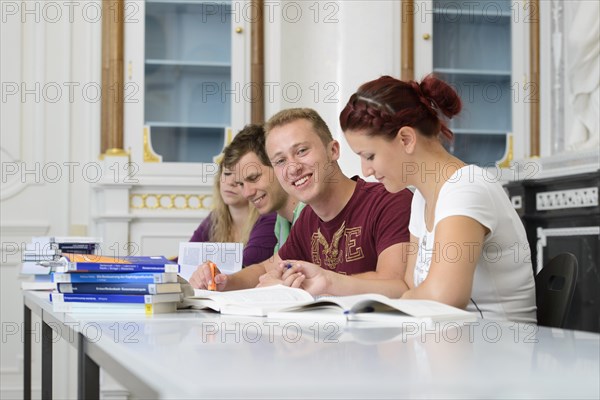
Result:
[{"x": 444, "y": 96}]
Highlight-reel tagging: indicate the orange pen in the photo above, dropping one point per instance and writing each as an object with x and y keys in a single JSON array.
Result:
[{"x": 213, "y": 269}]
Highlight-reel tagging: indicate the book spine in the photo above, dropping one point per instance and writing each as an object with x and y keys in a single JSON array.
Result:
[
  {"x": 114, "y": 308},
  {"x": 139, "y": 277},
  {"x": 108, "y": 267},
  {"x": 107, "y": 288},
  {"x": 80, "y": 248},
  {"x": 99, "y": 298},
  {"x": 75, "y": 239}
]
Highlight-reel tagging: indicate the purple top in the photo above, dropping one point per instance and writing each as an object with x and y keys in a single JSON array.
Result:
[{"x": 260, "y": 244}]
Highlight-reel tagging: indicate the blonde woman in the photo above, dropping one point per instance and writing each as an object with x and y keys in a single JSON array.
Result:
[{"x": 233, "y": 219}]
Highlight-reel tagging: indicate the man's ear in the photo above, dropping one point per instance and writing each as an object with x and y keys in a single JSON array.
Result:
[
  {"x": 334, "y": 150},
  {"x": 407, "y": 137}
]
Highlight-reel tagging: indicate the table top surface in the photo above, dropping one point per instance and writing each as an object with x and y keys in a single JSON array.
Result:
[{"x": 197, "y": 354}]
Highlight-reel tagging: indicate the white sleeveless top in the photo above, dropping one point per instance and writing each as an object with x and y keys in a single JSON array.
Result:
[{"x": 503, "y": 285}]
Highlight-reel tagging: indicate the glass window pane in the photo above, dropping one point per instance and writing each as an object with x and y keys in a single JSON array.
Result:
[
  {"x": 187, "y": 144},
  {"x": 188, "y": 95},
  {"x": 472, "y": 52},
  {"x": 480, "y": 149},
  {"x": 486, "y": 102},
  {"x": 188, "y": 32},
  {"x": 188, "y": 78}
]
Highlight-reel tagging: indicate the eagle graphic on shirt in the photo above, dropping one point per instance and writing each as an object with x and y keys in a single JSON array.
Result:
[{"x": 331, "y": 251}]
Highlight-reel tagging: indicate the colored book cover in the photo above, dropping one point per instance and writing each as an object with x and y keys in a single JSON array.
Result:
[
  {"x": 114, "y": 308},
  {"x": 90, "y": 263},
  {"x": 115, "y": 298},
  {"x": 119, "y": 288},
  {"x": 129, "y": 277}
]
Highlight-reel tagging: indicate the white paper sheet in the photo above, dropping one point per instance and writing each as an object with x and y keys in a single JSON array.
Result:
[{"x": 227, "y": 256}]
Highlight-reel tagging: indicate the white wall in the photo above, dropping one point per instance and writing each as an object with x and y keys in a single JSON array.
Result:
[
  {"x": 49, "y": 144},
  {"x": 327, "y": 50}
]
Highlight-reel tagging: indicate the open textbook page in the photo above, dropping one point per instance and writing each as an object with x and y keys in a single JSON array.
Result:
[
  {"x": 283, "y": 302},
  {"x": 255, "y": 301},
  {"x": 374, "y": 307}
]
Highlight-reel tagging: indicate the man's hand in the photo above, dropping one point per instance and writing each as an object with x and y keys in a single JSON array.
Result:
[
  {"x": 317, "y": 281},
  {"x": 202, "y": 277},
  {"x": 280, "y": 275},
  {"x": 305, "y": 275}
]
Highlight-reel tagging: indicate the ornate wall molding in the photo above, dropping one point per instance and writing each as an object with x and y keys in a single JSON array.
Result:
[{"x": 176, "y": 201}]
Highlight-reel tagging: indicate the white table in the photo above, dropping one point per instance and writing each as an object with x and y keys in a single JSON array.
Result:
[{"x": 204, "y": 355}]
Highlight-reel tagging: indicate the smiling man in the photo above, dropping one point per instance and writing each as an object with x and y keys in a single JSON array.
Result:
[
  {"x": 247, "y": 161},
  {"x": 352, "y": 227}
]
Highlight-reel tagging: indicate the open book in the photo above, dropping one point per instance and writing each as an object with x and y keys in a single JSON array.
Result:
[
  {"x": 254, "y": 302},
  {"x": 283, "y": 302}
]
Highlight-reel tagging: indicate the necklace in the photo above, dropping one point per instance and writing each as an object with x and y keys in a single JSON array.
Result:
[
  {"x": 436, "y": 193},
  {"x": 431, "y": 219}
]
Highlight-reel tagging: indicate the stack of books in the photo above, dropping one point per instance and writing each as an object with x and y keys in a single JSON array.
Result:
[
  {"x": 133, "y": 284},
  {"x": 45, "y": 249}
]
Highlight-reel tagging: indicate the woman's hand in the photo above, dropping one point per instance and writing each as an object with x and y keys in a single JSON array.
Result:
[{"x": 202, "y": 277}]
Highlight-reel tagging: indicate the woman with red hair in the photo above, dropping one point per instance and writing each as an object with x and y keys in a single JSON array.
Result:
[{"x": 468, "y": 246}]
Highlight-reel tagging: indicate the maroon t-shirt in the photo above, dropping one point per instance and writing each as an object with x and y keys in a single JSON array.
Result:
[{"x": 373, "y": 220}]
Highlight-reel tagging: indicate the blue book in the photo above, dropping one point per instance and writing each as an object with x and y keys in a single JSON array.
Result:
[
  {"x": 114, "y": 308},
  {"x": 97, "y": 263},
  {"x": 115, "y": 298},
  {"x": 119, "y": 288},
  {"x": 129, "y": 277}
]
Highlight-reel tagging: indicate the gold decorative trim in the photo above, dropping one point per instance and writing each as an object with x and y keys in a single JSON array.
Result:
[
  {"x": 506, "y": 162},
  {"x": 407, "y": 49},
  {"x": 174, "y": 198},
  {"x": 154, "y": 201},
  {"x": 149, "y": 155},
  {"x": 257, "y": 62},
  {"x": 534, "y": 73},
  {"x": 113, "y": 50},
  {"x": 228, "y": 139},
  {"x": 114, "y": 153},
  {"x": 228, "y": 136}
]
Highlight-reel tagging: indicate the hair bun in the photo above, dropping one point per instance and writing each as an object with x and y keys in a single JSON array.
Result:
[{"x": 443, "y": 95}]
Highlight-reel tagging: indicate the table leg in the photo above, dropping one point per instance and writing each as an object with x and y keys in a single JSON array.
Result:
[
  {"x": 26, "y": 353},
  {"x": 88, "y": 373},
  {"x": 46, "y": 361}
]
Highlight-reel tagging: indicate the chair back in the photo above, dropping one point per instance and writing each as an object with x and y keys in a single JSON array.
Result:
[{"x": 554, "y": 287}]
